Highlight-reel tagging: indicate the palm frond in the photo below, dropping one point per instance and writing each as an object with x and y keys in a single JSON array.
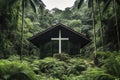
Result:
[
  {"x": 37, "y": 4},
  {"x": 80, "y": 3},
  {"x": 107, "y": 5},
  {"x": 33, "y": 5},
  {"x": 90, "y": 3},
  {"x": 41, "y": 3}
]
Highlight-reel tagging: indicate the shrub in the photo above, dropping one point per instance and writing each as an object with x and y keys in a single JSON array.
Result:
[
  {"x": 62, "y": 56},
  {"x": 76, "y": 66},
  {"x": 112, "y": 66},
  {"x": 13, "y": 70},
  {"x": 53, "y": 67},
  {"x": 96, "y": 74}
]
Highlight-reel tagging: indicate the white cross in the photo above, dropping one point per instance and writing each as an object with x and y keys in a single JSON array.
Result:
[{"x": 60, "y": 39}]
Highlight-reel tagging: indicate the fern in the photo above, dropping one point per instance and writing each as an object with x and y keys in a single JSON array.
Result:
[{"x": 10, "y": 68}]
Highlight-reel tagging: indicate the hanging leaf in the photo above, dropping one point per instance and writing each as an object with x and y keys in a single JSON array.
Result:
[
  {"x": 33, "y": 5},
  {"x": 106, "y": 5},
  {"x": 80, "y": 3},
  {"x": 90, "y": 3},
  {"x": 41, "y": 3}
]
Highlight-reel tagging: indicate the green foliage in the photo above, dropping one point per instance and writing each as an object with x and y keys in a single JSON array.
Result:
[
  {"x": 12, "y": 70},
  {"x": 111, "y": 64},
  {"x": 62, "y": 56},
  {"x": 59, "y": 69},
  {"x": 76, "y": 68},
  {"x": 92, "y": 74},
  {"x": 50, "y": 67},
  {"x": 97, "y": 74},
  {"x": 79, "y": 20}
]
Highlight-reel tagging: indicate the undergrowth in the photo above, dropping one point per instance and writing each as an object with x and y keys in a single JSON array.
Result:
[{"x": 60, "y": 68}]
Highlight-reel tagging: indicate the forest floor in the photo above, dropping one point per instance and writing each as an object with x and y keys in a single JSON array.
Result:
[{"x": 51, "y": 68}]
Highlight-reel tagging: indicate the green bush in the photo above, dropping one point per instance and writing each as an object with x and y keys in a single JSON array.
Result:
[
  {"x": 60, "y": 68},
  {"x": 96, "y": 74},
  {"x": 62, "y": 56},
  {"x": 112, "y": 66},
  {"x": 76, "y": 66},
  {"x": 53, "y": 67},
  {"x": 12, "y": 70}
]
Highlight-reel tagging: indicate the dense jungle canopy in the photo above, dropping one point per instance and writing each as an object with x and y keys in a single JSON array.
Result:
[{"x": 98, "y": 20}]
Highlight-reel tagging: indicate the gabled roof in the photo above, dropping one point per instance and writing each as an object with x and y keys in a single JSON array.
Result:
[{"x": 46, "y": 35}]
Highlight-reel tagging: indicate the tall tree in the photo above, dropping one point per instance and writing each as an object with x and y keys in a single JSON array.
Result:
[
  {"x": 116, "y": 22},
  {"x": 91, "y": 5},
  {"x": 94, "y": 31},
  {"x": 8, "y": 22},
  {"x": 115, "y": 3},
  {"x": 100, "y": 18},
  {"x": 34, "y": 4}
]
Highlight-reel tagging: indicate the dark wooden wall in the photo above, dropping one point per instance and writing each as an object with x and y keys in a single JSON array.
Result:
[{"x": 52, "y": 47}]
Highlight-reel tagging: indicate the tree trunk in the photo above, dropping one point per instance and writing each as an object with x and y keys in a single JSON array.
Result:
[
  {"x": 94, "y": 33},
  {"x": 116, "y": 23},
  {"x": 101, "y": 26},
  {"x": 23, "y": 10}
]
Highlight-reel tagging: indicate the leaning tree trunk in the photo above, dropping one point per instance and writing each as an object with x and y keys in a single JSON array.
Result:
[
  {"x": 116, "y": 23},
  {"x": 23, "y": 10}
]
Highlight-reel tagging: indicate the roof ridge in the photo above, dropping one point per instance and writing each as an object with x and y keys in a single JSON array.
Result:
[{"x": 57, "y": 25}]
